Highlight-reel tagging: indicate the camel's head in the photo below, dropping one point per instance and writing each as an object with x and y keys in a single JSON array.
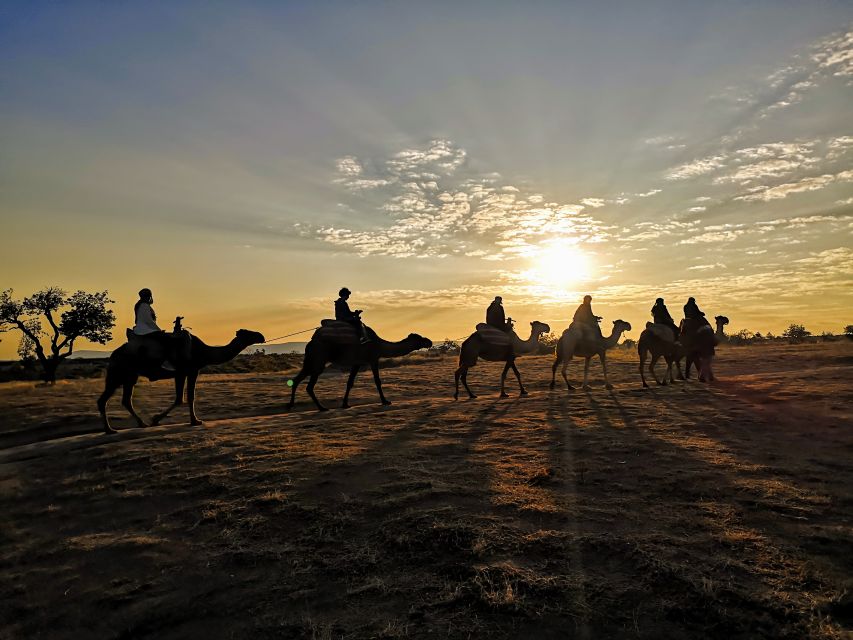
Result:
[
  {"x": 249, "y": 337},
  {"x": 621, "y": 325},
  {"x": 721, "y": 320},
  {"x": 540, "y": 327},
  {"x": 419, "y": 341}
]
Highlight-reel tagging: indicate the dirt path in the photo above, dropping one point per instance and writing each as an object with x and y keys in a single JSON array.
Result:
[{"x": 682, "y": 512}]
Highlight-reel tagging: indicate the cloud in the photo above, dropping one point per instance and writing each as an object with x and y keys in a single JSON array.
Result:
[
  {"x": 648, "y": 193},
  {"x": 696, "y": 168},
  {"x": 435, "y": 205},
  {"x": 835, "y": 54},
  {"x": 707, "y": 267},
  {"x": 765, "y": 194}
]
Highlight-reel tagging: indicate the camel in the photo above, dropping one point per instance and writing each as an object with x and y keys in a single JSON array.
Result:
[
  {"x": 721, "y": 321},
  {"x": 576, "y": 341},
  {"x": 698, "y": 341},
  {"x": 478, "y": 345},
  {"x": 669, "y": 350},
  {"x": 125, "y": 368},
  {"x": 320, "y": 351}
]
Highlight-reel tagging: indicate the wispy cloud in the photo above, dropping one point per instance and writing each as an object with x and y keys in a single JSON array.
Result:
[
  {"x": 697, "y": 167},
  {"x": 437, "y": 206},
  {"x": 763, "y": 193}
]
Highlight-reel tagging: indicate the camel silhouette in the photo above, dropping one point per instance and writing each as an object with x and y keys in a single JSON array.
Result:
[
  {"x": 672, "y": 352},
  {"x": 477, "y": 345},
  {"x": 125, "y": 368},
  {"x": 721, "y": 321},
  {"x": 578, "y": 341},
  {"x": 698, "y": 340},
  {"x": 322, "y": 350}
]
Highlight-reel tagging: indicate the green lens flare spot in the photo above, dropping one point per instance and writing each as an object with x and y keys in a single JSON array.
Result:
[{"x": 290, "y": 383}]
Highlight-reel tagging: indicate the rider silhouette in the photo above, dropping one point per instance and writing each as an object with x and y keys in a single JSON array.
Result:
[
  {"x": 169, "y": 347},
  {"x": 495, "y": 316},
  {"x": 661, "y": 316},
  {"x": 584, "y": 315},
  {"x": 343, "y": 312}
]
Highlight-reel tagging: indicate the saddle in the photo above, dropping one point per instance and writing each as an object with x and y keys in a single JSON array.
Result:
[
  {"x": 493, "y": 335},
  {"x": 661, "y": 331},
  {"x": 584, "y": 332},
  {"x": 340, "y": 332},
  {"x": 160, "y": 346}
]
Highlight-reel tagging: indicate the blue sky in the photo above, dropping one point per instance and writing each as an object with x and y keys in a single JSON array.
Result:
[{"x": 247, "y": 161}]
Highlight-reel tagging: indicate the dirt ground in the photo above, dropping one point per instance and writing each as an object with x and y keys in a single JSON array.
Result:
[{"x": 689, "y": 511}]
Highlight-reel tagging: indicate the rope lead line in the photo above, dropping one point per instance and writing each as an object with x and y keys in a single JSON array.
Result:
[{"x": 295, "y": 333}]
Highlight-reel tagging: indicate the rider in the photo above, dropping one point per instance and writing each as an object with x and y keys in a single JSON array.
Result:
[
  {"x": 584, "y": 315},
  {"x": 343, "y": 312},
  {"x": 146, "y": 325},
  {"x": 661, "y": 316},
  {"x": 495, "y": 316},
  {"x": 692, "y": 312}
]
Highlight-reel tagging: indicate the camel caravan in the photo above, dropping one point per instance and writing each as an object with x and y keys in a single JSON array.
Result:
[{"x": 347, "y": 342}]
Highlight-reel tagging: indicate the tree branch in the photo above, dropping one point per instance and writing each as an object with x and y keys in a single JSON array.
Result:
[{"x": 56, "y": 332}]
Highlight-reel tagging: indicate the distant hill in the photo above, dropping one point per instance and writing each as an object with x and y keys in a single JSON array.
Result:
[
  {"x": 89, "y": 354},
  {"x": 287, "y": 347}
]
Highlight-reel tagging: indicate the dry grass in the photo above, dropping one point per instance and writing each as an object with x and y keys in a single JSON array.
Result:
[{"x": 681, "y": 512}]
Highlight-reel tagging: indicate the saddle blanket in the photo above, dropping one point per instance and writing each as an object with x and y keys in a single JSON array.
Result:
[
  {"x": 493, "y": 335},
  {"x": 338, "y": 332}
]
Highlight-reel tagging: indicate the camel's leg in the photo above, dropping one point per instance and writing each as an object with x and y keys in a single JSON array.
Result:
[
  {"x": 192, "y": 379},
  {"x": 652, "y": 364},
  {"x": 127, "y": 400},
  {"x": 456, "y": 375},
  {"x": 504, "y": 394},
  {"x": 353, "y": 372},
  {"x": 299, "y": 378},
  {"x": 585, "y": 385},
  {"x": 557, "y": 360},
  {"x": 703, "y": 367},
  {"x": 518, "y": 376},
  {"x": 179, "y": 398},
  {"x": 687, "y": 366},
  {"x": 112, "y": 383},
  {"x": 678, "y": 366},
  {"x": 464, "y": 377},
  {"x": 374, "y": 366},
  {"x": 310, "y": 389},
  {"x": 563, "y": 371},
  {"x": 603, "y": 357},
  {"x": 642, "y": 354},
  {"x": 669, "y": 360}
]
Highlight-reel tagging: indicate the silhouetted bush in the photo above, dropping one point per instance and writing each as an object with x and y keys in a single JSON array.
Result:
[{"x": 796, "y": 333}]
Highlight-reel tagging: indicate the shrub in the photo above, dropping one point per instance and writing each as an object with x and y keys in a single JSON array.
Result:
[{"x": 796, "y": 333}]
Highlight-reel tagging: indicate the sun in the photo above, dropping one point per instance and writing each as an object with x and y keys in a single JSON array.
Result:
[{"x": 560, "y": 266}]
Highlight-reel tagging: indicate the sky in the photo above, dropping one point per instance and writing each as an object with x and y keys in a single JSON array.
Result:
[{"x": 245, "y": 161}]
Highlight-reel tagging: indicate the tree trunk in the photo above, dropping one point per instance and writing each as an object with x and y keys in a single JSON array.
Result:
[{"x": 50, "y": 366}]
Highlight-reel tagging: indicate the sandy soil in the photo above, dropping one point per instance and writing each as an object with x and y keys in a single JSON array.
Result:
[{"x": 691, "y": 511}]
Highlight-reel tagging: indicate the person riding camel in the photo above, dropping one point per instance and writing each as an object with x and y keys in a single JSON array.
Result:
[
  {"x": 661, "y": 316},
  {"x": 585, "y": 316},
  {"x": 169, "y": 348},
  {"x": 692, "y": 312},
  {"x": 495, "y": 316},
  {"x": 343, "y": 313}
]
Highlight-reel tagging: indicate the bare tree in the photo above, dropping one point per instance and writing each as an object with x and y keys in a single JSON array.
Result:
[{"x": 58, "y": 319}]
